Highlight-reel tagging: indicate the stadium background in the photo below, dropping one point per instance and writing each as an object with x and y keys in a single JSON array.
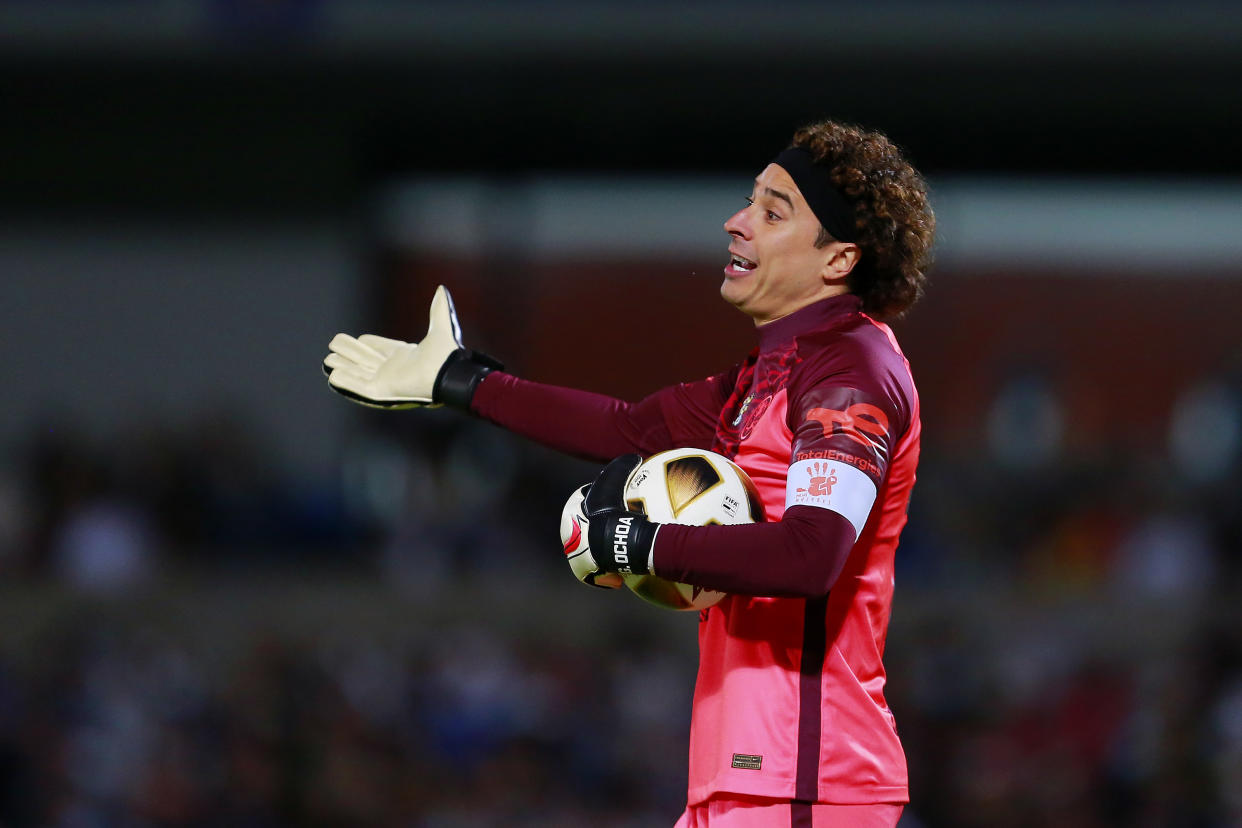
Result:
[{"x": 230, "y": 598}]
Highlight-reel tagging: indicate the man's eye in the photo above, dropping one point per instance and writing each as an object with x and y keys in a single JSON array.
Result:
[{"x": 768, "y": 214}]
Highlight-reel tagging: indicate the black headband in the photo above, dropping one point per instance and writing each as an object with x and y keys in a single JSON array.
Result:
[{"x": 826, "y": 201}]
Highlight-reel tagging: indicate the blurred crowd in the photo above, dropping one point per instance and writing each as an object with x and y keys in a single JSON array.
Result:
[
  {"x": 459, "y": 727},
  {"x": 1064, "y": 649}
]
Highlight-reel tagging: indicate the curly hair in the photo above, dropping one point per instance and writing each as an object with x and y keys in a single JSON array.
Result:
[{"x": 894, "y": 221}]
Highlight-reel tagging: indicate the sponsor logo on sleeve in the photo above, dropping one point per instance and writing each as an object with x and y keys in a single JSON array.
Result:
[
  {"x": 860, "y": 463},
  {"x": 863, "y": 423}
]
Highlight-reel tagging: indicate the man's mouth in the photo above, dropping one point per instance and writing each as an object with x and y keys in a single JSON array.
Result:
[{"x": 739, "y": 265}]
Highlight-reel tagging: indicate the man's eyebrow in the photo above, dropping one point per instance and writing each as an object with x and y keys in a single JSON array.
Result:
[{"x": 778, "y": 194}]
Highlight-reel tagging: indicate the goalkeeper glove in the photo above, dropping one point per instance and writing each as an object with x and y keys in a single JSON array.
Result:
[
  {"x": 600, "y": 534},
  {"x": 388, "y": 373}
]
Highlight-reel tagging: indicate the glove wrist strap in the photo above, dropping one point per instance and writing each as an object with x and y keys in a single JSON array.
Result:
[
  {"x": 622, "y": 542},
  {"x": 460, "y": 375}
]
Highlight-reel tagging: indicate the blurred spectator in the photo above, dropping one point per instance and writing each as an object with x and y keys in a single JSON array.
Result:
[{"x": 104, "y": 544}]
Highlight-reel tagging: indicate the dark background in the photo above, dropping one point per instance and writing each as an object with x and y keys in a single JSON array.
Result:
[{"x": 238, "y": 107}]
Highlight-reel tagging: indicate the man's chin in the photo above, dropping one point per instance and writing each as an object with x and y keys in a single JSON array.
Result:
[{"x": 732, "y": 292}]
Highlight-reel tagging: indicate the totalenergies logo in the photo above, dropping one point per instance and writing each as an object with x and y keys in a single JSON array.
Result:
[{"x": 861, "y": 422}]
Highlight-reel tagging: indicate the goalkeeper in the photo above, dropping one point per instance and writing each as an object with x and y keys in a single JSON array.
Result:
[{"x": 789, "y": 725}]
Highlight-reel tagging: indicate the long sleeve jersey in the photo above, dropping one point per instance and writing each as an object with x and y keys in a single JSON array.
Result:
[{"x": 823, "y": 416}]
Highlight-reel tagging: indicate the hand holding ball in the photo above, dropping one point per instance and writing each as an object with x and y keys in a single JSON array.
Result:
[{"x": 693, "y": 487}]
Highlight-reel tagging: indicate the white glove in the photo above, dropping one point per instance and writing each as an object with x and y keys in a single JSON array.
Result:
[
  {"x": 388, "y": 373},
  {"x": 574, "y": 530}
]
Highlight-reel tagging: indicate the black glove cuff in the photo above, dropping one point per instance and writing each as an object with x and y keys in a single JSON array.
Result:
[
  {"x": 460, "y": 375},
  {"x": 621, "y": 542}
]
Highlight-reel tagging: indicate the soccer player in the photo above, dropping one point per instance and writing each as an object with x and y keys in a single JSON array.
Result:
[{"x": 789, "y": 725}]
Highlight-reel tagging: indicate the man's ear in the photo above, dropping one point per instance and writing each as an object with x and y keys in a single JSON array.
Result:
[{"x": 842, "y": 258}]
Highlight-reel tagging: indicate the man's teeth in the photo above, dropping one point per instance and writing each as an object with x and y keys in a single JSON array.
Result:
[{"x": 743, "y": 264}]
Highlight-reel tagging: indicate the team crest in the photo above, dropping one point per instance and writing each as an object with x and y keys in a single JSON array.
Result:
[
  {"x": 748, "y": 415},
  {"x": 741, "y": 412}
]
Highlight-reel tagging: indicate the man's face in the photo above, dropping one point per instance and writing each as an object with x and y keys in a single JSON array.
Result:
[{"x": 775, "y": 267}]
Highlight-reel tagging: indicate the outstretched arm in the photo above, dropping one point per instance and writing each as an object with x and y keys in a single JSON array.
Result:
[
  {"x": 598, "y": 427},
  {"x": 388, "y": 373}
]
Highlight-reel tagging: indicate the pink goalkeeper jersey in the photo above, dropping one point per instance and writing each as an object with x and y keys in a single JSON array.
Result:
[{"x": 789, "y": 701}]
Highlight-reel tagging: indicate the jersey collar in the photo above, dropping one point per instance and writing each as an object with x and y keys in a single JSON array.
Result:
[{"x": 815, "y": 316}]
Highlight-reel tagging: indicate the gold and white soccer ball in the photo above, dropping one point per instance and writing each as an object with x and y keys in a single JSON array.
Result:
[{"x": 693, "y": 487}]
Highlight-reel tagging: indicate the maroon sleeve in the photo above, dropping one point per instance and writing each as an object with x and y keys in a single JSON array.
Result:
[
  {"x": 802, "y": 554},
  {"x": 598, "y": 427},
  {"x": 851, "y": 404}
]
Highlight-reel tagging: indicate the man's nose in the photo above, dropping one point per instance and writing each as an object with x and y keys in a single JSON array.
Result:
[{"x": 737, "y": 225}]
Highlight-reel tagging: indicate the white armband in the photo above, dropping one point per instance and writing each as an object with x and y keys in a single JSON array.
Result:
[{"x": 830, "y": 484}]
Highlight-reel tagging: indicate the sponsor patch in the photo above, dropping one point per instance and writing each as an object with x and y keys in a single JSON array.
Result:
[
  {"x": 870, "y": 468},
  {"x": 747, "y": 761},
  {"x": 863, "y": 423}
]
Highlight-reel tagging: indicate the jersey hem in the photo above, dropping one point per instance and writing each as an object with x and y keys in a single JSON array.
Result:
[{"x": 784, "y": 790}]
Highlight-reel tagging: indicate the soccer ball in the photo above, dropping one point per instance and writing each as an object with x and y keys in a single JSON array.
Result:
[
  {"x": 574, "y": 540},
  {"x": 694, "y": 487}
]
